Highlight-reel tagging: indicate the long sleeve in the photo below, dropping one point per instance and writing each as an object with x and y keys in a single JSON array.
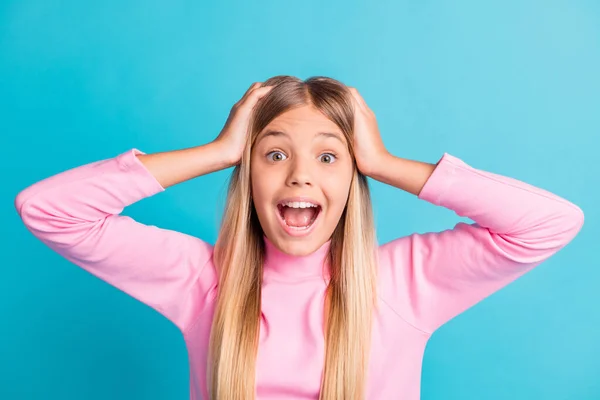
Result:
[
  {"x": 77, "y": 214},
  {"x": 429, "y": 278}
]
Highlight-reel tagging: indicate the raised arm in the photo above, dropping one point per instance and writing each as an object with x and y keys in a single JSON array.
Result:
[
  {"x": 430, "y": 278},
  {"x": 77, "y": 214}
]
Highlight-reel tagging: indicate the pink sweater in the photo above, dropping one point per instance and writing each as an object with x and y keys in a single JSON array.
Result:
[{"x": 424, "y": 279}]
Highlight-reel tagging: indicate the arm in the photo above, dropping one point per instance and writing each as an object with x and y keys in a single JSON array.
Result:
[
  {"x": 172, "y": 167},
  {"x": 76, "y": 214},
  {"x": 430, "y": 278},
  {"x": 405, "y": 174}
]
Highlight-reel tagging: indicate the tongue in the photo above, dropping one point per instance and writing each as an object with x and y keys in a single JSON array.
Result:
[{"x": 298, "y": 216}]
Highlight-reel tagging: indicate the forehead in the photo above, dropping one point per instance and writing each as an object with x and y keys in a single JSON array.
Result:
[{"x": 302, "y": 123}]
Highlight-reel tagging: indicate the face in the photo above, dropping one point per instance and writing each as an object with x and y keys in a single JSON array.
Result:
[{"x": 299, "y": 161}]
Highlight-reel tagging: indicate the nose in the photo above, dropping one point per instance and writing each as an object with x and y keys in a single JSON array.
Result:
[{"x": 300, "y": 173}]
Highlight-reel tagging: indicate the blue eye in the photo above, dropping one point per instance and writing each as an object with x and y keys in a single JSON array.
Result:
[
  {"x": 329, "y": 156},
  {"x": 280, "y": 158}
]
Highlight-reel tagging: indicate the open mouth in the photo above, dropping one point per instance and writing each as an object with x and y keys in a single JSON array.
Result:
[{"x": 298, "y": 215}]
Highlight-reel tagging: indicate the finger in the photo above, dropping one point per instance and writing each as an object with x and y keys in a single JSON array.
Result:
[
  {"x": 361, "y": 101},
  {"x": 354, "y": 93},
  {"x": 256, "y": 94},
  {"x": 250, "y": 90},
  {"x": 246, "y": 94},
  {"x": 359, "y": 98},
  {"x": 260, "y": 91},
  {"x": 356, "y": 98}
]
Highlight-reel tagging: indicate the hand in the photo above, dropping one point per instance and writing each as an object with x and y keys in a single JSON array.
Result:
[
  {"x": 368, "y": 145},
  {"x": 234, "y": 134}
]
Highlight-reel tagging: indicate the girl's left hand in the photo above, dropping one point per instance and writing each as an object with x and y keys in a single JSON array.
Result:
[{"x": 369, "y": 149}]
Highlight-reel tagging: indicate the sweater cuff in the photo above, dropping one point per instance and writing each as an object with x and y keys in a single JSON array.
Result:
[
  {"x": 147, "y": 183},
  {"x": 440, "y": 180}
]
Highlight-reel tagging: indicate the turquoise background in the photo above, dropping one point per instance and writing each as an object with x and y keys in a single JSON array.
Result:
[{"x": 512, "y": 87}]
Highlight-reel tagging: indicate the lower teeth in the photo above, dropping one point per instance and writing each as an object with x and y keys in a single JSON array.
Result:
[{"x": 301, "y": 228}]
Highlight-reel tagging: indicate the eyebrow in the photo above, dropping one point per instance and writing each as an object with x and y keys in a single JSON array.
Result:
[{"x": 281, "y": 133}]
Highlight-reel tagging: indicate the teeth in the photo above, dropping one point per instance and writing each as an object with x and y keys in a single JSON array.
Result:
[{"x": 299, "y": 204}]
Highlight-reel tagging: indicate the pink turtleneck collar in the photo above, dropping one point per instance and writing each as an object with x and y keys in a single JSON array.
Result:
[{"x": 283, "y": 266}]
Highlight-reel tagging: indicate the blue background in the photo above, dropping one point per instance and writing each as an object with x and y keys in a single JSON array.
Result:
[{"x": 512, "y": 87}]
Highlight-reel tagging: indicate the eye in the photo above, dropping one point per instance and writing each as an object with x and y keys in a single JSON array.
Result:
[
  {"x": 328, "y": 157},
  {"x": 279, "y": 156}
]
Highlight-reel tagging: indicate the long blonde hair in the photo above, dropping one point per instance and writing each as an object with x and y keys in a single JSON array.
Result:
[{"x": 239, "y": 256}]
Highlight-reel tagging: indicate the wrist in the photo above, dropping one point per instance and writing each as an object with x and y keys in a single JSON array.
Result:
[
  {"x": 226, "y": 153},
  {"x": 376, "y": 165}
]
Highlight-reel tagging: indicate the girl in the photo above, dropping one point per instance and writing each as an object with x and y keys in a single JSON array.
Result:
[{"x": 297, "y": 300}]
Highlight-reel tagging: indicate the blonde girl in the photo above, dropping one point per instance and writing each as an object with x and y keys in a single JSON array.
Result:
[{"x": 296, "y": 299}]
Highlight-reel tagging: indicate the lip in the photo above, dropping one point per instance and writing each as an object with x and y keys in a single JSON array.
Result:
[{"x": 298, "y": 232}]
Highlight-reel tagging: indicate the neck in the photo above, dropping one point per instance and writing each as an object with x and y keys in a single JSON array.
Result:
[{"x": 284, "y": 266}]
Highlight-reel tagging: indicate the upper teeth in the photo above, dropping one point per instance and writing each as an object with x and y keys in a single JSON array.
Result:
[{"x": 298, "y": 204}]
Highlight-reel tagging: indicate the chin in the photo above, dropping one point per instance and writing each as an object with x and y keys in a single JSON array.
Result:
[{"x": 298, "y": 246}]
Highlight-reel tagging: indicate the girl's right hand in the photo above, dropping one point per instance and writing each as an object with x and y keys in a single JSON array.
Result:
[{"x": 234, "y": 134}]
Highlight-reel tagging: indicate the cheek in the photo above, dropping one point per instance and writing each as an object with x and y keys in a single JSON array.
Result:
[
  {"x": 263, "y": 192},
  {"x": 336, "y": 188},
  {"x": 340, "y": 179},
  {"x": 258, "y": 190}
]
